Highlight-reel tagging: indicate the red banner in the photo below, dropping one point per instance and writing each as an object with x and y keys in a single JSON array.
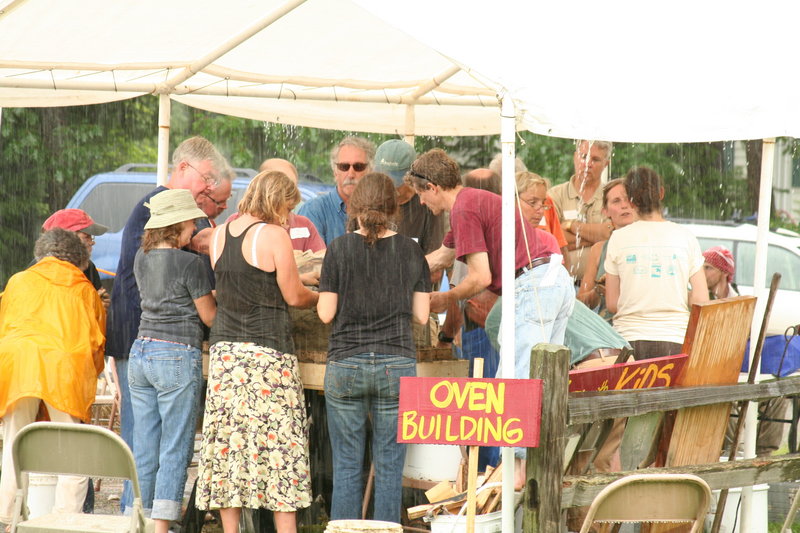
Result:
[
  {"x": 470, "y": 412},
  {"x": 645, "y": 374}
]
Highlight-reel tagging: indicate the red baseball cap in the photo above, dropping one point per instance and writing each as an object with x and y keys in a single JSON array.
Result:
[{"x": 74, "y": 220}]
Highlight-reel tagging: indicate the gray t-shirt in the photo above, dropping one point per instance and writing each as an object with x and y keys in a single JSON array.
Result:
[{"x": 169, "y": 281}]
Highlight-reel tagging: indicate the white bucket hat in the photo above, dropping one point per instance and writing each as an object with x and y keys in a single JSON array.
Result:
[{"x": 170, "y": 207}]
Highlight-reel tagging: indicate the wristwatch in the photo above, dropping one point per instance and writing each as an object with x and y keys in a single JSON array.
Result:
[{"x": 444, "y": 338}]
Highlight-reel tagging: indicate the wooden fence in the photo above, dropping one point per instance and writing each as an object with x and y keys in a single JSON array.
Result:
[{"x": 549, "y": 491}]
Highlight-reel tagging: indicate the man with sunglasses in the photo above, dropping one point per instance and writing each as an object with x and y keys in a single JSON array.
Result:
[
  {"x": 351, "y": 159},
  {"x": 199, "y": 167},
  {"x": 543, "y": 291}
]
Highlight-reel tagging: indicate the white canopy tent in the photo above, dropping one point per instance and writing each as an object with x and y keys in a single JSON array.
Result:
[{"x": 622, "y": 71}]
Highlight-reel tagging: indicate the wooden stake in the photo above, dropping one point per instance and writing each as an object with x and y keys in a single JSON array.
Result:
[
  {"x": 755, "y": 366},
  {"x": 472, "y": 470}
]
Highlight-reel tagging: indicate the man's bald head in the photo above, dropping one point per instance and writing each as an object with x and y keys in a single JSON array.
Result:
[
  {"x": 280, "y": 165},
  {"x": 482, "y": 178}
]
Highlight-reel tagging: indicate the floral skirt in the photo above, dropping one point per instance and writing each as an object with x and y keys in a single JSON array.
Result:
[{"x": 255, "y": 437}]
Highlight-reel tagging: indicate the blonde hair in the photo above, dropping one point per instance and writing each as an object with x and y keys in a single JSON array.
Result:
[
  {"x": 268, "y": 194},
  {"x": 526, "y": 180}
]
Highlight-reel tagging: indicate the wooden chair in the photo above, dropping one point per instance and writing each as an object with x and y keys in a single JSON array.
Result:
[
  {"x": 678, "y": 498},
  {"x": 107, "y": 395},
  {"x": 74, "y": 449}
]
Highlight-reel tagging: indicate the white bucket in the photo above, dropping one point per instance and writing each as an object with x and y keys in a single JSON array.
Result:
[
  {"x": 484, "y": 523},
  {"x": 432, "y": 462},
  {"x": 363, "y": 526},
  {"x": 732, "y": 519},
  {"x": 41, "y": 494}
]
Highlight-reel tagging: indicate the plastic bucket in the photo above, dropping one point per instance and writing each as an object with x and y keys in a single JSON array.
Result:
[
  {"x": 432, "y": 462},
  {"x": 732, "y": 518},
  {"x": 362, "y": 526},
  {"x": 41, "y": 494}
]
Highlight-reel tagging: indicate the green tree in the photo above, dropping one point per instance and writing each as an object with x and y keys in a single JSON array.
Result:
[{"x": 47, "y": 153}]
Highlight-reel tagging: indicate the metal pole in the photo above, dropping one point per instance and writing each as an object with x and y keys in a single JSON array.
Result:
[
  {"x": 759, "y": 290},
  {"x": 164, "y": 110},
  {"x": 507, "y": 130}
]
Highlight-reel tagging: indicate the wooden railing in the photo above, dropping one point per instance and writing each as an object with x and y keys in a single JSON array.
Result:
[{"x": 549, "y": 491}]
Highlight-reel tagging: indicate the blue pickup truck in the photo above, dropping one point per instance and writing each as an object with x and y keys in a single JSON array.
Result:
[{"x": 109, "y": 198}]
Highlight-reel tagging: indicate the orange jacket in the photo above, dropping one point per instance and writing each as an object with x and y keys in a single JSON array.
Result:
[
  {"x": 52, "y": 327},
  {"x": 551, "y": 224}
]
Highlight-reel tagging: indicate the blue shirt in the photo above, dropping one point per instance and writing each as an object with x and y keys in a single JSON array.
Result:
[
  {"x": 125, "y": 309},
  {"x": 328, "y": 213}
]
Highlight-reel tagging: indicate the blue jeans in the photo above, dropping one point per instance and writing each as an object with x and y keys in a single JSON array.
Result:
[
  {"x": 165, "y": 380},
  {"x": 543, "y": 301},
  {"x": 357, "y": 388},
  {"x": 125, "y": 425}
]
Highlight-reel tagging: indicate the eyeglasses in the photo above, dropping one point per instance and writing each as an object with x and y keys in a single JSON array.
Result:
[
  {"x": 210, "y": 180},
  {"x": 536, "y": 204},
  {"x": 358, "y": 167},
  {"x": 222, "y": 204}
]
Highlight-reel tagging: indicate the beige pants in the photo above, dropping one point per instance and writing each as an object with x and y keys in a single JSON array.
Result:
[{"x": 70, "y": 490}]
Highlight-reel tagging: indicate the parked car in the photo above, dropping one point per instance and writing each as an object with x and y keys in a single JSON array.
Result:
[
  {"x": 783, "y": 255},
  {"x": 109, "y": 198}
]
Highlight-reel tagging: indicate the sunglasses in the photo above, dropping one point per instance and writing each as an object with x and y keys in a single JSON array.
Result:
[
  {"x": 358, "y": 167},
  {"x": 420, "y": 177}
]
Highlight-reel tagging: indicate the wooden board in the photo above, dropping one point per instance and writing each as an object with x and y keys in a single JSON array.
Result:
[
  {"x": 715, "y": 341},
  {"x": 645, "y": 374}
]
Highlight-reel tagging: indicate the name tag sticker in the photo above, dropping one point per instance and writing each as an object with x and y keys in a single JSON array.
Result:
[
  {"x": 570, "y": 214},
  {"x": 299, "y": 233}
]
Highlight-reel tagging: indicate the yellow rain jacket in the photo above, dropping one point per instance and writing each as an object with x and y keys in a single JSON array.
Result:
[{"x": 52, "y": 326}]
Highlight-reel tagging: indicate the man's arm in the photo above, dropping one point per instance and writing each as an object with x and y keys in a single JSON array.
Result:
[
  {"x": 589, "y": 233},
  {"x": 201, "y": 241},
  {"x": 479, "y": 276},
  {"x": 441, "y": 258}
]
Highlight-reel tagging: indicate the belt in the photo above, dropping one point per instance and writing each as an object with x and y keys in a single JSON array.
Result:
[{"x": 533, "y": 264}]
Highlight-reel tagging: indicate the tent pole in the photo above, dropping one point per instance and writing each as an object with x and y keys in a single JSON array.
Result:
[
  {"x": 759, "y": 290},
  {"x": 507, "y": 130},
  {"x": 411, "y": 125},
  {"x": 164, "y": 110}
]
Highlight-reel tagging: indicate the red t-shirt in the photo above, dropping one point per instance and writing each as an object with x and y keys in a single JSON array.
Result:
[
  {"x": 304, "y": 234},
  {"x": 476, "y": 226}
]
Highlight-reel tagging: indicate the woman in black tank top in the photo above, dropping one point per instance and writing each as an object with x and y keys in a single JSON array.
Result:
[{"x": 254, "y": 451}]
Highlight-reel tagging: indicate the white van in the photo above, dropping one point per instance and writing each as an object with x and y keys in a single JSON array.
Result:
[{"x": 783, "y": 256}]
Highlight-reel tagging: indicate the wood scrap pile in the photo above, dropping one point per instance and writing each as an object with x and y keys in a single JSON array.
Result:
[{"x": 448, "y": 497}]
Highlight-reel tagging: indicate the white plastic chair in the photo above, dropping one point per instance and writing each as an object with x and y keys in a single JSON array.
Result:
[{"x": 671, "y": 498}]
